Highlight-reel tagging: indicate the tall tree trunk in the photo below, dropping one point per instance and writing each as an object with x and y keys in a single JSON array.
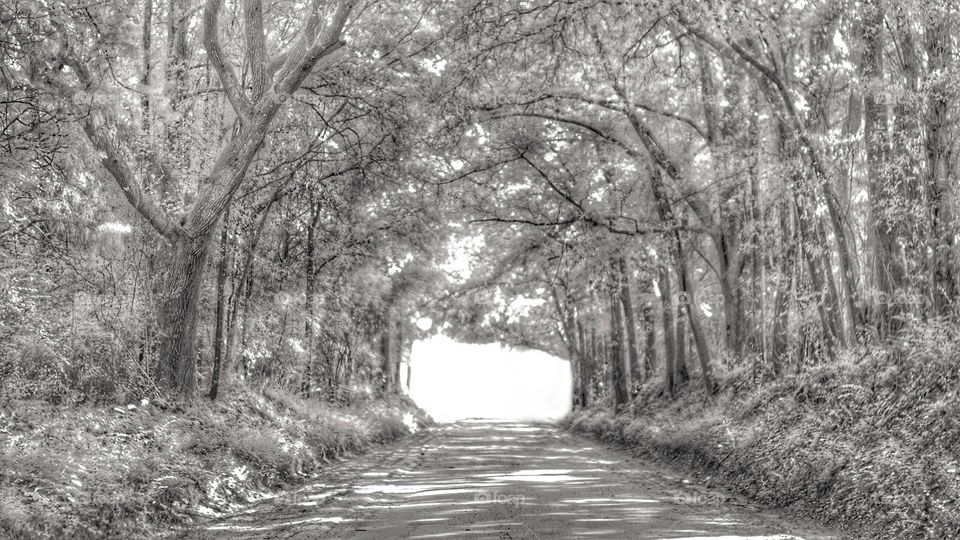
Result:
[
  {"x": 877, "y": 143},
  {"x": 816, "y": 279},
  {"x": 572, "y": 338},
  {"x": 693, "y": 316},
  {"x": 595, "y": 363},
  {"x": 788, "y": 150},
  {"x": 669, "y": 333},
  {"x": 626, "y": 298},
  {"x": 178, "y": 16},
  {"x": 907, "y": 228},
  {"x": 650, "y": 341},
  {"x": 243, "y": 289},
  {"x": 310, "y": 299},
  {"x": 584, "y": 361},
  {"x": 680, "y": 363},
  {"x": 398, "y": 359},
  {"x": 619, "y": 374},
  {"x": 939, "y": 46},
  {"x": 834, "y": 303},
  {"x": 386, "y": 350},
  {"x": 781, "y": 303},
  {"x": 218, "y": 340}
]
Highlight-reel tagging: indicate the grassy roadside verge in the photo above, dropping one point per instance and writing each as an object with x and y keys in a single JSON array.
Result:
[
  {"x": 124, "y": 472},
  {"x": 871, "y": 444}
]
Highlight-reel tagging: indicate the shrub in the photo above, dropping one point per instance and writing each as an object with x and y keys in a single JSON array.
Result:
[{"x": 263, "y": 450}]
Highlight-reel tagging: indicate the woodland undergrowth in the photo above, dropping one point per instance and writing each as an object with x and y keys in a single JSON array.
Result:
[
  {"x": 870, "y": 443},
  {"x": 128, "y": 471}
]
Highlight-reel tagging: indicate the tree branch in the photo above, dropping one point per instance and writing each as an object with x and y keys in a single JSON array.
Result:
[
  {"x": 112, "y": 157},
  {"x": 211, "y": 42},
  {"x": 256, "y": 47},
  {"x": 114, "y": 163},
  {"x": 313, "y": 45}
]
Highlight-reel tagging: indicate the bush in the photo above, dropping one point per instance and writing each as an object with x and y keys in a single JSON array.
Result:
[{"x": 262, "y": 449}]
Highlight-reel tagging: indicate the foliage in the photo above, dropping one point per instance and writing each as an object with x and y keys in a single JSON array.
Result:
[
  {"x": 869, "y": 443},
  {"x": 124, "y": 472}
]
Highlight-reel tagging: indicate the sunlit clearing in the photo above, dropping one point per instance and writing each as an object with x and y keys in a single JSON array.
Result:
[{"x": 453, "y": 381}]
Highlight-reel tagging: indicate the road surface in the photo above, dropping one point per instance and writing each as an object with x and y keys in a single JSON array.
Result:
[{"x": 505, "y": 481}]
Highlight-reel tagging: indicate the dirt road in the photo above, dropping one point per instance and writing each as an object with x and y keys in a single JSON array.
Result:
[{"x": 508, "y": 481}]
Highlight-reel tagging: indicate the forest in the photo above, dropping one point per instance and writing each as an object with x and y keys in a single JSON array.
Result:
[{"x": 736, "y": 219}]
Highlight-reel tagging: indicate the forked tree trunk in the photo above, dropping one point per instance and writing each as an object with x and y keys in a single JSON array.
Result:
[{"x": 178, "y": 316}]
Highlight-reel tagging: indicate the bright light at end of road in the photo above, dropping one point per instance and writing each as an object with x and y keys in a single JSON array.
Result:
[{"x": 453, "y": 381}]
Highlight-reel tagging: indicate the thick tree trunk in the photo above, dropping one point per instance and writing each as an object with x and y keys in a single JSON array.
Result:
[
  {"x": 619, "y": 374},
  {"x": 178, "y": 316}
]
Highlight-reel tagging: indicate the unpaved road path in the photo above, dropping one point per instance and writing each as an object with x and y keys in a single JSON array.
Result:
[{"x": 507, "y": 481}]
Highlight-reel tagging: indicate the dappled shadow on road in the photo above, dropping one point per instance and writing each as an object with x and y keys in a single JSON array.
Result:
[{"x": 507, "y": 480}]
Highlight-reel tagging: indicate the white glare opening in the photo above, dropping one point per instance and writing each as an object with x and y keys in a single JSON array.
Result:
[{"x": 454, "y": 381}]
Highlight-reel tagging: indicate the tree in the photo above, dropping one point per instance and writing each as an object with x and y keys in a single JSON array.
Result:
[{"x": 73, "y": 70}]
